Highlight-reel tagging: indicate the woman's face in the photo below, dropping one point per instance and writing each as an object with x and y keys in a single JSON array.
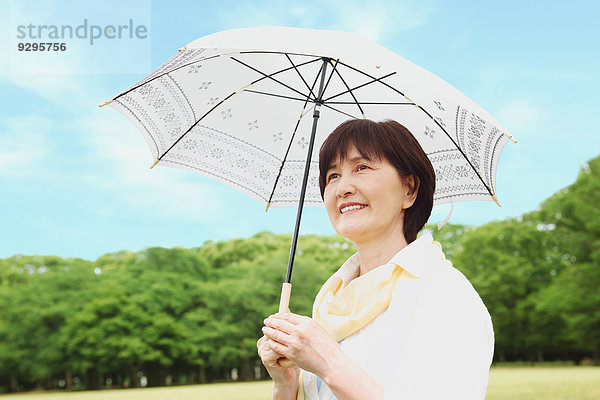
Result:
[{"x": 365, "y": 199}]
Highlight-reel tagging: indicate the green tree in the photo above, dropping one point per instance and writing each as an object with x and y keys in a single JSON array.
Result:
[
  {"x": 507, "y": 262},
  {"x": 34, "y": 310},
  {"x": 574, "y": 216}
]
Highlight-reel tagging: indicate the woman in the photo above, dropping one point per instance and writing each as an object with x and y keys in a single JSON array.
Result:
[{"x": 396, "y": 321}]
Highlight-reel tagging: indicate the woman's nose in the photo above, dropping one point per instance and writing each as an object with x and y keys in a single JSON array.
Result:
[{"x": 345, "y": 186}]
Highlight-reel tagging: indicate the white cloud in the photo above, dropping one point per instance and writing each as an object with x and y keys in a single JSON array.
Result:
[
  {"x": 521, "y": 115},
  {"x": 24, "y": 145},
  {"x": 375, "y": 19},
  {"x": 75, "y": 78},
  {"x": 123, "y": 161},
  {"x": 104, "y": 161},
  {"x": 69, "y": 91}
]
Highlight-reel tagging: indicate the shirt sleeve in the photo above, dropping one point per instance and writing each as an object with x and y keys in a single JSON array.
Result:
[{"x": 450, "y": 343}]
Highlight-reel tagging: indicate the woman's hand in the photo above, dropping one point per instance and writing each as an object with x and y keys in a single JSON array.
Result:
[
  {"x": 269, "y": 357},
  {"x": 304, "y": 342}
]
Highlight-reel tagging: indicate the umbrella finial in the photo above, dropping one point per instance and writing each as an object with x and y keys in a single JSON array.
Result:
[
  {"x": 445, "y": 221},
  {"x": 496, "y": 200},
  {"x": 155, "y": 162},
  {"x": 105, "y": 103},
  {"x": 268, "y": 205}
]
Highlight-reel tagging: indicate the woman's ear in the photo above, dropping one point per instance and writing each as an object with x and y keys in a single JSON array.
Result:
[{"x": 411, "y": 184}]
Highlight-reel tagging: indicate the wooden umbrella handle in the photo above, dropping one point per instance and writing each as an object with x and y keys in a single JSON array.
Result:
[
  {"x": 284, "y": 304},
  {"x": 284, "y": 301}
]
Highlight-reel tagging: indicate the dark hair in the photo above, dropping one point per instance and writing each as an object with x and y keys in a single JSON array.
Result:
[{"x": 391, "y": 141}]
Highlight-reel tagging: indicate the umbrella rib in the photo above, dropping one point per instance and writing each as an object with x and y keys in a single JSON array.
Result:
[
  {"x": 221, "y": 102},
  {"x": 351, "y": 92},
  {"x": 340, "y": 111},
  {"x": 334, "y": 69},
  {"x": 374, "y": 103},
  {"x": 205, "y": 59},
  {"x": 287, "y": 151},
  {"x": 457, "y": 147},
  {"x": 280, "y": 71},
  {"x": 434, "y": 120},
  {"x": 163, "y": 74},
  {"x": 375, "y": 79},
  {"x": 331, "y": 74},
  {"x": 271, "y": 77},
  {"x": 276, "y": 95},
  {"x": 192, "y": 127},
  {"x": 301, "y": 76},
  {"x": 359, "y": 86}
]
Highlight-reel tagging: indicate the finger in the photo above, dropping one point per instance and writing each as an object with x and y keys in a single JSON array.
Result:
[
  {"x": 276, "y": 335},
  {"x": 264, "y": 344},
  {"x": 267, "y": 354},
  {"x": 261, "y": 342},
  {"x": 292, "y": 318},
  {"x": 277, "y": 316},
  {"x": 270, "y": 359},
  {"x": 279, "y": 349},
  {"x": 280, "y": 324}
]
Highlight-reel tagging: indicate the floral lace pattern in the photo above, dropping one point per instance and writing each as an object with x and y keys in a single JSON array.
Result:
[{"x": 245, "y": 118}]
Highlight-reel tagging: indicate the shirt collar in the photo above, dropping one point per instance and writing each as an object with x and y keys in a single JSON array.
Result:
[{"x": 414, "y": 259}]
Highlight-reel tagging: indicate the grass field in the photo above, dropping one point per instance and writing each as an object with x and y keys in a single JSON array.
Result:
[
  {"x": 544, "y": 383},
  {"x": 506, "y": 383}
]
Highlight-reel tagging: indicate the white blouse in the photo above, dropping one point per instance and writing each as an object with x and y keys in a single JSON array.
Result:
[{"x": 434, "y": 341}]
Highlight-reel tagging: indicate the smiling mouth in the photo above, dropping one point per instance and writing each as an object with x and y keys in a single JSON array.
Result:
[{"x": 353, "y": 207}]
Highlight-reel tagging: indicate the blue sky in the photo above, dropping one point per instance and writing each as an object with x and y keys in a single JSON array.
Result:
[{"x": 75, "y": 182}]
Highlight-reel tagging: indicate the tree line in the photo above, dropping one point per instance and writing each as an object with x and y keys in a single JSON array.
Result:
[{"x": 176, "y": 316}]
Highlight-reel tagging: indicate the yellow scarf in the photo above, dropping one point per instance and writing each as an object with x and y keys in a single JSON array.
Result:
[{"x": 343, "y": 311}]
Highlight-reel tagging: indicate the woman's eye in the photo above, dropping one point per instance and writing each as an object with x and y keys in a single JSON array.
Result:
[
  {"x": 332, "y": 176},
  {"x": 361, "y": 167}
]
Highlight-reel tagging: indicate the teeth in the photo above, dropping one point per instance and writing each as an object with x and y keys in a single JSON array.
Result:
[{"x": 350, "y": 208}]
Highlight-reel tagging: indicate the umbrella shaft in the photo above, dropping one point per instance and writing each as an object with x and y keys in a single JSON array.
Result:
[{"x": 316, "y": 114}]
